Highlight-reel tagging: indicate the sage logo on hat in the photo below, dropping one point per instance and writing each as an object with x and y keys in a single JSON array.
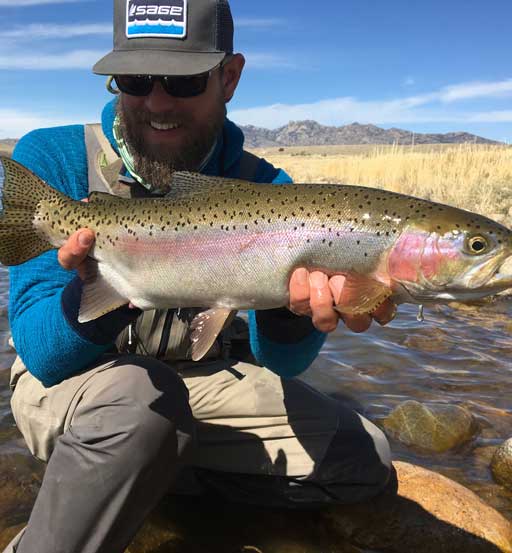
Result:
[{"x": 156, "y": 18}]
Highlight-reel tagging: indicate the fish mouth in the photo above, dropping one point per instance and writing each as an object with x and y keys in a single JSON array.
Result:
[
  {"x": 499, "y": 278},
  {"x": 502, "y": 279}
]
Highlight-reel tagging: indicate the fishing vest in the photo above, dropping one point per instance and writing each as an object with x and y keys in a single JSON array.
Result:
[{"x": 160, "y": 333}]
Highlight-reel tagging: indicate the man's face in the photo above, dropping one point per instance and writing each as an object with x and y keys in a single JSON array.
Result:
[{"x": 158, "y": 150}]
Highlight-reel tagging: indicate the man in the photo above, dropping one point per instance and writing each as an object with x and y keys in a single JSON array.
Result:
[{"x": 117, "y": 425}]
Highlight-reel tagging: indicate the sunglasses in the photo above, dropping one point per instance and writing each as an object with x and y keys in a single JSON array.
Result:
[{"x": 177, "y": 86}]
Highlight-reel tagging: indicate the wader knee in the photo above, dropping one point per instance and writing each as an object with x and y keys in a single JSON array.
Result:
[{"x": 136, "y": 416}]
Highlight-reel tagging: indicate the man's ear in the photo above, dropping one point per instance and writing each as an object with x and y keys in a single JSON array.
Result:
[{"x": 231, "y": 73}]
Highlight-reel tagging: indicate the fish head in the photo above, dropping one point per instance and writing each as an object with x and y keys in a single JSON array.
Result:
[{"x": 454, "y": 255}]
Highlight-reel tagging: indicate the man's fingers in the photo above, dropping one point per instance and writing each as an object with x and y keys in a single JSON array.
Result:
[
  {"x": 321, "y": 301},
  {"x": 357, "y": 323},
  {"x": 385, "y": 313},
  {"x": 336, "y": 284},
  {"x": 299, "y": 292},
  {"x": 76, "y": 248}
]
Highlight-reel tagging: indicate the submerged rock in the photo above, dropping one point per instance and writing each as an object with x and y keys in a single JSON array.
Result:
[
  {"x": 208, "y": 525},
  {"x": 437, "y": 428},
  {"x": 20, "y": 477},
  {"x": 431, "y": 513},
  {"x": 501, "y": 464}
]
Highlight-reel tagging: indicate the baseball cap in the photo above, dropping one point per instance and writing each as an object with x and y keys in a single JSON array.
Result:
[{"x": 168, "y": 37}]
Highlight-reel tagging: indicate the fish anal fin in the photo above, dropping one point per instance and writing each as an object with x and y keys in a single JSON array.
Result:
[
  {"x": 205, "y": 327},
  {"x": 361, "y": 294},
  {"x": 99, "y": 297}
]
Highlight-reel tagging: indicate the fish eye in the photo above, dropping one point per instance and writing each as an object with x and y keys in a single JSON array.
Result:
[{"x": 477, "y": 245}]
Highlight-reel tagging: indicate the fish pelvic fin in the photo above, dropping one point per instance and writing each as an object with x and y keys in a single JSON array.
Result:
[
  {"x": 99, "y": 297},
  {"x": 206, "y": 326},
  {"x": 361, "y": 295},
  {"x": 21, "y": 193}
]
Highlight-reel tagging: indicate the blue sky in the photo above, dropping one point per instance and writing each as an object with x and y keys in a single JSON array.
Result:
[{"x": 427, "y": 66}]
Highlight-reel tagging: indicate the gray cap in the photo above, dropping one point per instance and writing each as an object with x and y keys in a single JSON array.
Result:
[{"x": 168, "y": 37}]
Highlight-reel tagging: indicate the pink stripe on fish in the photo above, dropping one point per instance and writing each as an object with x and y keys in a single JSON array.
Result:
[{"x": 198, "y": 244}]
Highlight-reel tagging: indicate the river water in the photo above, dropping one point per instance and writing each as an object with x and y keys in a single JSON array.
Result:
[{"x": 459, "y": 356}]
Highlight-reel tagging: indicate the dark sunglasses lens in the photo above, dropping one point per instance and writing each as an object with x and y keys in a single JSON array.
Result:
[
  {"x": 186, "y": 87},
  {"x": 135, "y": 85}
]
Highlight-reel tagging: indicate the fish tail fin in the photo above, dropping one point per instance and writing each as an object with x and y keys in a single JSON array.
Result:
[{"x": 21, "y": 192}]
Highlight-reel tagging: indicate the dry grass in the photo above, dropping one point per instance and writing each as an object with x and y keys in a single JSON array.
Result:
[{"x": 474, "y": 177}]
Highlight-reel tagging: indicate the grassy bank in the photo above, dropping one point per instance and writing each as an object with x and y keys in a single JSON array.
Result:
[{"x": 474, "y": 177}]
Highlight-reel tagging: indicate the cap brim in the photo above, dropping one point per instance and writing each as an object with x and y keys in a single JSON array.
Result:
[{"x": 157, "y": 62}]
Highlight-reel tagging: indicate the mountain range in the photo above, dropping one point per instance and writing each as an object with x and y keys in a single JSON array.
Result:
[{"x": 311, "y": 133}]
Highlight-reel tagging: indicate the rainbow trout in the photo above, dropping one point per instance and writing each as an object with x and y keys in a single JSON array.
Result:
[{"x": 229, "y": 244}]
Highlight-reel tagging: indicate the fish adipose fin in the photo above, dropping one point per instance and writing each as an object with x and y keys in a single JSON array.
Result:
[
  {"x": 20, "y": 194},
  {"x": 206, "y": 326},
  {"x": 361, "y": 295},
  {"x": 98, "y": 296}
]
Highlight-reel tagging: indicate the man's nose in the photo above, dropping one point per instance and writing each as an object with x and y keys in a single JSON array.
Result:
[{"x": 158, "y": 100}]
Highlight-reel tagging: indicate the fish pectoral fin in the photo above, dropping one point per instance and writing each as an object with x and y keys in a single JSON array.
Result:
[
  {"x": 361, "y": 295},
  {"x": 206, "y": 326},
  {"x": 98, "y": 296}
]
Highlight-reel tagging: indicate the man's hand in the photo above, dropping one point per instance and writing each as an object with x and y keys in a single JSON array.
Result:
[
  {"x": 73, "y": 253},
  {"x": 315, "y": 294}
]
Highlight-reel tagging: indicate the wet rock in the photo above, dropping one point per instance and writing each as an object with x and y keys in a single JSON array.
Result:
[
  {"x": 202, "y": 525},
  {"x": 501, "y": 464},
  {"x": 431, "y": 513},
  {"x": 437, "y": 428}
]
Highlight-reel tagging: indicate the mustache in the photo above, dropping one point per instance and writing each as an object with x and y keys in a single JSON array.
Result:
[{"x": 146, "y": 117}]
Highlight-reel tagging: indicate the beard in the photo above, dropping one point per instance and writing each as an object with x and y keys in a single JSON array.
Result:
[{"x": 156, "y": 165}]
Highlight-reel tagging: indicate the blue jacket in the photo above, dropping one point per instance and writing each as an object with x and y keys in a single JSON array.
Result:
[{"x": 43, "y": 300}]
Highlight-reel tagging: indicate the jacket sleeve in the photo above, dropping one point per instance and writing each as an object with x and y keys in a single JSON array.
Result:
[
  {"x": 281, "y": 341},
  {"x": 42, "y": 300}
]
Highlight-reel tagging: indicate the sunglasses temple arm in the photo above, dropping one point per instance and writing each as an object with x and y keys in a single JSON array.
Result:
[{"x": 109, "y": 86}]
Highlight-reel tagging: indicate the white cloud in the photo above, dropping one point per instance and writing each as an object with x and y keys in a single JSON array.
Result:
[
  {"x": 15, "y": 123},
  {"x": 77, "y": 59},
  {"x": 22, "y": 3},
  {"x": 425, "y": 108},
  {"x": 408, "y": 81},
  {"x": 43, "y": 30},
  {"x": 466, "y": 91}
]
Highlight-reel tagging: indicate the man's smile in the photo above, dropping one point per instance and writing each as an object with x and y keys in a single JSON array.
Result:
[{"x": 164, "y": 126}]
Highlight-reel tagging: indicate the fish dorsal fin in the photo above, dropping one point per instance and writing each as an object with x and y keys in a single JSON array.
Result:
[
  {"x": 186, "y": 184},
  {"x": 102, "y": 197},
  {"x": 99, "y": 297},
  {"x": 361, "y": 295},
  {"x": 205, "y": 328}
]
